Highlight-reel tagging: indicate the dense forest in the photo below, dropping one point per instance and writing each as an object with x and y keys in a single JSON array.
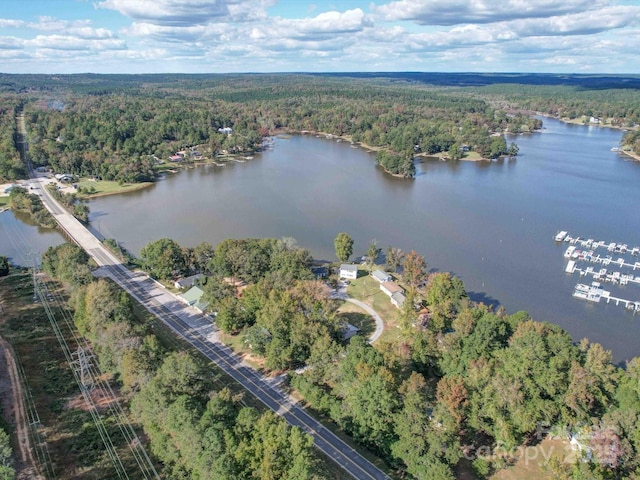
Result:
[
  {"x": 118, "y": 130},
  {"x": 120, "y": 127},
  {"x": 11, "y": 166}
]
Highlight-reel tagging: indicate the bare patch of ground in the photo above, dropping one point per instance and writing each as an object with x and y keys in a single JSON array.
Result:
[
  {"x": 99, "y": 396},
  {"x": 12, "y": 399}
]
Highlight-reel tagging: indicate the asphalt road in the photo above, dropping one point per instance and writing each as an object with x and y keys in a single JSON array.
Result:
[{"x": 198, "y": 330}]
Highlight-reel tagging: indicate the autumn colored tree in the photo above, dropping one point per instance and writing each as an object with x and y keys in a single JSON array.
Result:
[{"x": 414, "y": 269}]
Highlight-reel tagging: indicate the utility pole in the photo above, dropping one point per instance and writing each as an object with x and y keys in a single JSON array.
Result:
[{"x": 83, "y": 366}]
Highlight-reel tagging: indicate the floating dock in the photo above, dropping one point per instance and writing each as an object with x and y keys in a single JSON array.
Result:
[
  {"x": 592, "y": 244},
  {"x": 594, "y": 293},
  {"x": 602, "y": 271}
]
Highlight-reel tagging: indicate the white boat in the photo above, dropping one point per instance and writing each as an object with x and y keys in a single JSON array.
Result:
[
  {"x": 591, "y": 293},
  {"x": 560, "y": 236},
  {"x": 569, "y": 251},
  {"x": 571, "y": 266}
]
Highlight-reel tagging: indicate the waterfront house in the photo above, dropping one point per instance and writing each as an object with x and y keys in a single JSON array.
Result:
[
  {"x": 348, "y": 271},
  {"x": 389, "y": 288},
  {"x": 188, "y": 281},
  {"x": 320, "y": 272},
  {"x": 381, "y": 276},
  {"x": 398, "y": 299}
]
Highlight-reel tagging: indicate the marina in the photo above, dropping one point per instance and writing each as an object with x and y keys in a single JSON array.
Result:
[{"x": 601, "y": 273}]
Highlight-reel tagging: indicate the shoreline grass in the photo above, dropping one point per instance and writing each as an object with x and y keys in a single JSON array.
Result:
[{"x": 100, "y": 188}]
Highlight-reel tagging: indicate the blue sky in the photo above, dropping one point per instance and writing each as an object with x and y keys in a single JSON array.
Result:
[{"x": 216, "y": 36}]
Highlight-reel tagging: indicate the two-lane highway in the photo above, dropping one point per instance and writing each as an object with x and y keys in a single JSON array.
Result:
[
  {"x": 198, "y": 330},
  {"x": 153, "y": 299}
]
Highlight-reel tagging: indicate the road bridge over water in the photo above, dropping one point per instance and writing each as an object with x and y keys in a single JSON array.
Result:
[{"x": 200, "y": 332}]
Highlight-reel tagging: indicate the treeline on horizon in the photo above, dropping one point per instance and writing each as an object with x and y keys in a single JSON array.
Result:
[
  {"x": 467, "y": 381},
  {"x": 118, "y": 127}
]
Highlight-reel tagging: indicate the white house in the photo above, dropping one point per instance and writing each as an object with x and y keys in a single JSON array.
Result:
[
  {"x": 381, "y": 276},
  {"x": 389, "y": 288},
  {"x": 348, "y": 271}
]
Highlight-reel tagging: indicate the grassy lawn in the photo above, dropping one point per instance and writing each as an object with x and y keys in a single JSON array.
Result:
[
  {"x": 104, "y": 187},
  {"x": 367, "y": 290},
  {"x": 532, "y": 461},
  {"x": 472, "y": 156},
  {"x": 357, "y": 317},
  {"x": 4, "y": 201}
]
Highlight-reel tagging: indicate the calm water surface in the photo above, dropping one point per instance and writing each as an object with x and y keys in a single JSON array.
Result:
[
  {"x": 21, "y": 240},
  {"x": 490, "y": 223}
]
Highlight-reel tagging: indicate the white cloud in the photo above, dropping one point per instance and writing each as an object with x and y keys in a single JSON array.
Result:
[
  {"x": 11, "y": 43},
  {"x": 330, "y": 30},
  {"x": 187, "y": 12},
  {"x": 456, "y": 12},
  {"x": 5, "y": 22},
  {"x": 70, "y": 43}
]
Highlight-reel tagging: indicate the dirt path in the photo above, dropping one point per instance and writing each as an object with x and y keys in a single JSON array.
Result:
[{"x": 12, "y": 399}]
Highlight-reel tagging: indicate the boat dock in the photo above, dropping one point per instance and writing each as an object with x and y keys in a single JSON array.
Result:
[
  {"x": 590, "y": 256},
  {"x": 590, "y": 243},
  {"x": 602, "y": 270},
  {"x": 594, "y": 293}
]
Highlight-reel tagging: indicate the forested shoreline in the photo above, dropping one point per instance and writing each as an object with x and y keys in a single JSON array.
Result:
[{"x": 125, "y": 127}]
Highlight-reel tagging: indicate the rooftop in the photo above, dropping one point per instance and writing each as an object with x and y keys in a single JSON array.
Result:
[
  {"x": 348, "y": 267},
  {"x": 392, "y": 287}
]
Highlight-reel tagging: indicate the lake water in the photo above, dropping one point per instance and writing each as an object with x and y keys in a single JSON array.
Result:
[
  {"x": 492, "y": 224},
  {"x": 21, "y": 240}
]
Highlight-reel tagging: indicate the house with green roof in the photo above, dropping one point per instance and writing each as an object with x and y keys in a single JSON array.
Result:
[{"x": 192, "y": 297}]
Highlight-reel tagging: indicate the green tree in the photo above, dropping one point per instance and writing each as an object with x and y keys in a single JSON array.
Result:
[
  {"x": 455, "y": 152},
  {"x": 163, "y": 259},
  {"x": 426, "y": 449},
  {"x": 4, "y": 266},
  {"x": 373, "y": 252},
  {"x": 343, "y": 244},
  {"x": 69, "y": 263},
  {"x": 6, "y": 471},
  {"x": 394, "y": 258}
]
